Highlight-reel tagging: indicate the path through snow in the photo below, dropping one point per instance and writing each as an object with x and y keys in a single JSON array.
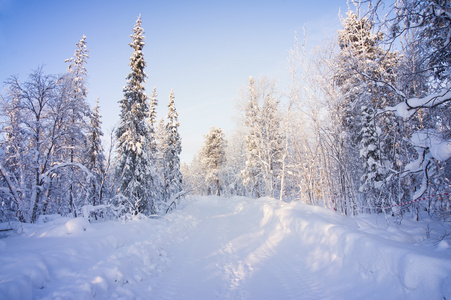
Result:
[
  {"x": 236, "y": 253},
  {"x": 260, "y": 249},
  {"x": 224, "y": 248}
]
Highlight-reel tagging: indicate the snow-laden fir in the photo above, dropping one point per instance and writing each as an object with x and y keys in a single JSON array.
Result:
[{"x": 228, "y": 248}]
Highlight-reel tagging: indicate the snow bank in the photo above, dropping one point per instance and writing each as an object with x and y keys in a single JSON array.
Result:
[
  {"x": 421, "y": 271},
  {"x": 76, "y": 225},
  {"x": 390, "y": 261}
]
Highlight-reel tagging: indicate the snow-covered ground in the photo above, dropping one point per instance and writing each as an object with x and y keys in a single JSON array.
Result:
[{"x": 228, "y": 248}]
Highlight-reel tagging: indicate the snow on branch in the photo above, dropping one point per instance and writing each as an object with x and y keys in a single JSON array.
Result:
[
  {"x": 429, "y": 139},
  {"x": 407, "y": 108}
]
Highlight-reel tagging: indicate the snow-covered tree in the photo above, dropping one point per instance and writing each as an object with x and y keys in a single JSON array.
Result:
[
  {"x": 252, "y": 176},
  {"x": 134, "y": 168},
  {"x": 151, "y": 120},
  {"x": 430, "y": 23},
  {"x": 78, "y": 114},
  {"x": 362, "y": 63},
  {"x": 212, "y": 157},
  {"x": 160, "y": 138},
  {"x": 33, "y": 161},
  {"x": 306, "y": 125},
  {"x": 235, "y": 161},
  {"x": 77, "y": 74},
  {"x": 95, "y": 157},
  {"x": 263, "y": 140},
  {"x": 193, "y": 177},
  {"x": 12, "y": 158},
  {"x": 172, "y": 181}
]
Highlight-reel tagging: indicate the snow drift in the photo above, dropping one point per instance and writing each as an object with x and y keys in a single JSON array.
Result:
[{"x": 226, "y": 248}]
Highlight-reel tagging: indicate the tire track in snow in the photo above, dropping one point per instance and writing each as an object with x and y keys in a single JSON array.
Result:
[
  {"x": 233, "y": 271},
  {"x": 195, "y": 269},
  {"x": 266, "y": 263},
  {"x": 288, "y": 275}
]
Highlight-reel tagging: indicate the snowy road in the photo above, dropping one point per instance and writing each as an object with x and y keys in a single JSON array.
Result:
[
  {"x": 225, "y": 248},
  {"x": 235, "y": 253}
]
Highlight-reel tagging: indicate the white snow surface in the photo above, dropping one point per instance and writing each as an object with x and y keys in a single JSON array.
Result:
[{"x": 228, "y": 248}]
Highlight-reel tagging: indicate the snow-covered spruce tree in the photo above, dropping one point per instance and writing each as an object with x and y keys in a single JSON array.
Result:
[
  {"x": 212, "y": 157},
  {"x": 172, "y": 182},
  {"x": 77, "y": 126},
  {"x": 154, "y": 152},
  {"x": 134, "y": 167},
  {"x": 160, "y": 138},
  {"x": 348, "y": 78},
  {"x": 95, "y": 157},
  {"x": 151, "y": 120},
  {"x": 263, "y": 140},
  {"x": 369, "y": 144}
]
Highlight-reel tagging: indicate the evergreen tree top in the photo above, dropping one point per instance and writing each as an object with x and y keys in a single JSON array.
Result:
[
  {"x": 172, "y": 125},
  {"x": 137, "y": 62},
  {"x": 96, "y": 117},
  {"x": 172, "y": 113},
  {"x": 78, "y": 62},
  {"x": 138, "y": 35}
]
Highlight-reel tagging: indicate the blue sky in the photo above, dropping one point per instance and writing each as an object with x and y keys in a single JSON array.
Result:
[{"x": 204, "y": 50}]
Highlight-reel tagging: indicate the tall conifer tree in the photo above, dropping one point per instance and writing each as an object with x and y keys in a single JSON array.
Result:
[
  {"x": 134, "y": 168},
  {"x": 95, "y": 158},
  {"x": 77, "y": 114},
  {"x": 173, "y": 175}
]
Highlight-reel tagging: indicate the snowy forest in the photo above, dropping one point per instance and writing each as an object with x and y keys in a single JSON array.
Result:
[{"x": 363, "y": 127}]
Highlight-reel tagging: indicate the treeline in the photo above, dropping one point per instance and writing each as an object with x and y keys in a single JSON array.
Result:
[
  {"x": 51, "y": 156},
  {"x": 361, "y": 128}
]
